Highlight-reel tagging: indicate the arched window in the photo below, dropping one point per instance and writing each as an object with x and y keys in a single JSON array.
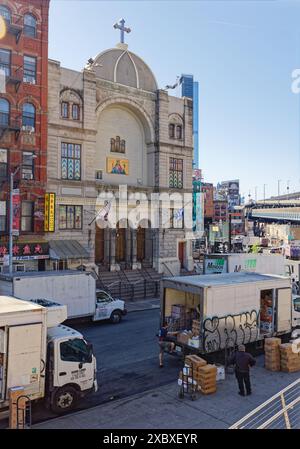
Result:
[
  {"x": 29, "y": 25},
  {"x": 5, "y": 13},
  {"x": 171, "y": 131},
  {"x": 178, "y": 132},
  {"x": 28, "y": 116},
  {"x": 4, "y": 112},
  {"x": 112, "y": 145}
]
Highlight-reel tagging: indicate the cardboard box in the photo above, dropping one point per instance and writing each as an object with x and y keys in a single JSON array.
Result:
[
  {"x": 195, "y": 360},
  {"x": 272, "y": 341},
  {"x": 208, "y": 369}
]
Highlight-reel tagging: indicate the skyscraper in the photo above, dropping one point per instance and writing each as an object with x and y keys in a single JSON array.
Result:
[{"x": 190, "y": 89}]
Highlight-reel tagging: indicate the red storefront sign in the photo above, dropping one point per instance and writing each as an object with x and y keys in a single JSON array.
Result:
[{"x": 26, "y": 251}]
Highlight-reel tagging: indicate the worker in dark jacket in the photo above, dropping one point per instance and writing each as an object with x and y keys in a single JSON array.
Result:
[{"x": 242, "y": 361}]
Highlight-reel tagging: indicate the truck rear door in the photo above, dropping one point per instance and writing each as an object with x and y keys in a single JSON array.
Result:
[
  {"x": 24, "y": 357},
  {"x": 283, "y": 317}
]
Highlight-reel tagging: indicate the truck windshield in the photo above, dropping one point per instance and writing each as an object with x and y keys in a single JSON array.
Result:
[
  {"x": 75, "y": 350},
  {"x": 297, "y": 304}
]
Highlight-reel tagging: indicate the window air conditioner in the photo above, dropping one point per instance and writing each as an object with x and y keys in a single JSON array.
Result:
[
  {"x": 28, "y": 80},
  {"x": 29, "y": 129}
]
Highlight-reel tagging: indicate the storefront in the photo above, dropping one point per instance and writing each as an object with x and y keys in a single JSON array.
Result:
[{"x": 29, "y": 256}]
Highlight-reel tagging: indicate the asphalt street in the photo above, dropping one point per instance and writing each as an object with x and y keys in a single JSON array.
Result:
[{"x": 127, "y": 360}]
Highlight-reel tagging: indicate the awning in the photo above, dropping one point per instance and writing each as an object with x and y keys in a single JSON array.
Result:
[{"x": 67, "y": 249}]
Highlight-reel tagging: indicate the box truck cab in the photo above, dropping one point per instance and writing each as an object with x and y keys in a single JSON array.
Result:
[
  {"x": 296, "y": 311},
  {"x": 72, "y": 288},
  {"x": 50, "y": 361},
  {"x": 108, "y": 307}
]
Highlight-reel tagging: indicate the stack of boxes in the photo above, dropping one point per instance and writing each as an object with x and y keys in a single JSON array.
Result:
[
  {"x": 272, "y": 354},
  {"x": 205, "y": 375},
  {"x": 289, "y": 360},
  {"x": 207, "y": 379}
]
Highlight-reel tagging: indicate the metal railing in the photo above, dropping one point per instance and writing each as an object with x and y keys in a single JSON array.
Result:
[{"x": 281, "y": 411}]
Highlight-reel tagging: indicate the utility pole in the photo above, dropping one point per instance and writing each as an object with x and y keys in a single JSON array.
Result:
[
  {"x": 264, "y": 193},
  {"x": 255, "y": 193},
  {"x": 288, "y": 188},
  {"x": 279, "y": 181}
]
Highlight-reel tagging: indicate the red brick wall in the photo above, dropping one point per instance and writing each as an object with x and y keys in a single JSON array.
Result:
[
  {"x": 37, "y": 94},
  {"x": 208, "y": 192}
]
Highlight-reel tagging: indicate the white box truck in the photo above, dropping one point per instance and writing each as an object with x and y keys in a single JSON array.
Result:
[
  {"x": 74, "y": 289},
  {"x": 49, "y": 360},
  {"x": 235, "y": 263},
  {"x": 229, "y": 309}
]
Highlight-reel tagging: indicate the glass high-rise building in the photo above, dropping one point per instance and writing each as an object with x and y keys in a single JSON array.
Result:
[{"x": 190, "y": 89}]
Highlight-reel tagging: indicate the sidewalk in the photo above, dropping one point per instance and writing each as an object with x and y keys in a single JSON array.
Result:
[
  {"x": 161, "y": 408},
  {"x": 142, "y": 304}
]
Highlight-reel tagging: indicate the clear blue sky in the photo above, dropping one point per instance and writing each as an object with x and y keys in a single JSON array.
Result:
[{"x": 241, "y": 52}]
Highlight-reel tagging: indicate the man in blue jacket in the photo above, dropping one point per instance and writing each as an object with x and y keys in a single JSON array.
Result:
[{"x": 242, "y": 361}]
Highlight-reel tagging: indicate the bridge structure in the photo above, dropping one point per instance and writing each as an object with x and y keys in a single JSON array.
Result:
[{"x": 283, "y": 209}]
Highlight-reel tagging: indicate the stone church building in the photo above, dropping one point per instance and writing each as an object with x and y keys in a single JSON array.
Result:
[{"x": 111, "y": 130}]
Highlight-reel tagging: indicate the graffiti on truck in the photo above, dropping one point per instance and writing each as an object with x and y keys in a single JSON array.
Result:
[{"x": 230, "y": 330}]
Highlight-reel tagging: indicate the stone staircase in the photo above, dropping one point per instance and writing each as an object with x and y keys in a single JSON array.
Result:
[{"x": 130, "y": 284}]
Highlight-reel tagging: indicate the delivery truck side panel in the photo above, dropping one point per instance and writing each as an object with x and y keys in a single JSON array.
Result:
[
  {"x": 26, "y": 359},
  {"x": 77, "y": 292},
  {"x": 232, "y": 314},
  {"x": 23, "y": 346}
]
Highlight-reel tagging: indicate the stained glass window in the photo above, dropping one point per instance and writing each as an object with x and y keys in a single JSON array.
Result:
[
  {"x": 176, "y": 173},
  {"x": 71, "y": 161}
]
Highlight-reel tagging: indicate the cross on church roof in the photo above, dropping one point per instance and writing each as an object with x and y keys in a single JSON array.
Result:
[{"x": 121, "y": 26}]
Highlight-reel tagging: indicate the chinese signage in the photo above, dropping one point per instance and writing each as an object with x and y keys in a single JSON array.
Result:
[
  {"x": 16, "y": 200},
  {"x": 49, "y": 225},
  {"x": 26, "y": 251}
]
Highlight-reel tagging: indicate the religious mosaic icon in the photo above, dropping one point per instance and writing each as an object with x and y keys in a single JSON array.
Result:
[
  {"x": 117, "y": 145},
  {"x": 117, "y": 166}
]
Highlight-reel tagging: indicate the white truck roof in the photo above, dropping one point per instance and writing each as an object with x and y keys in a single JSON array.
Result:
[
  {"x": 210, "y": 280},
  {"x": 9, "y": 304},
  {"x": 55, "y": 313}
]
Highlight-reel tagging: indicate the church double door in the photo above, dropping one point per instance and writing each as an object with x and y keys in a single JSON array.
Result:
[
  {"x": 121, "y": 244},
  {"x": 99, "y": 245}
]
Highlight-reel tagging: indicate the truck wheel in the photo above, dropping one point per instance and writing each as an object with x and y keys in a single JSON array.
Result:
[
  {"x": 64, "y": 400},
  {"x": 115, "y": 317}
]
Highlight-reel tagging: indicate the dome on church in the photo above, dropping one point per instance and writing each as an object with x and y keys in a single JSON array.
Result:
[{"x": 120, "y": 65}]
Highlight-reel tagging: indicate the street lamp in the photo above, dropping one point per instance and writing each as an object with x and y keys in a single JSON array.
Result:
[
  {"x": 265, "y": 192},
  {"x": 279, "y": 181},
  {"x": 11, "y": 187}
]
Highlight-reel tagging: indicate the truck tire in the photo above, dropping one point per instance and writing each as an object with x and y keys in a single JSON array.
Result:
[
  {"x": 116, "y": 317},
  {"x": 64, "y": 400}
]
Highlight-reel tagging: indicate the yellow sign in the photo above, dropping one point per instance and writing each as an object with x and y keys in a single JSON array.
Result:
[
  {"x": 49, "y": 225},
  {"x": 2, "y": 28},
  {"x": 116, "y": 166}
]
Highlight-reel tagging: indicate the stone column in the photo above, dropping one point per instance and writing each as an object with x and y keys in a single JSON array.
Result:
[
  {"x": 128, "y": 249},
  {"x": 107, "y": 236},
  {"x": 113, "y": 265},
  {"x": 135, "y": 264}
]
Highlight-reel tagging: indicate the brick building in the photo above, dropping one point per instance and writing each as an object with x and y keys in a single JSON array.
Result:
[
  {"x": 208, "y": 193},
  {"x": 23, "y": 127}
]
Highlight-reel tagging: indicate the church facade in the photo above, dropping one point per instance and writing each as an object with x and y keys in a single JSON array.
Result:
[{"x": 119, "y": 151}]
